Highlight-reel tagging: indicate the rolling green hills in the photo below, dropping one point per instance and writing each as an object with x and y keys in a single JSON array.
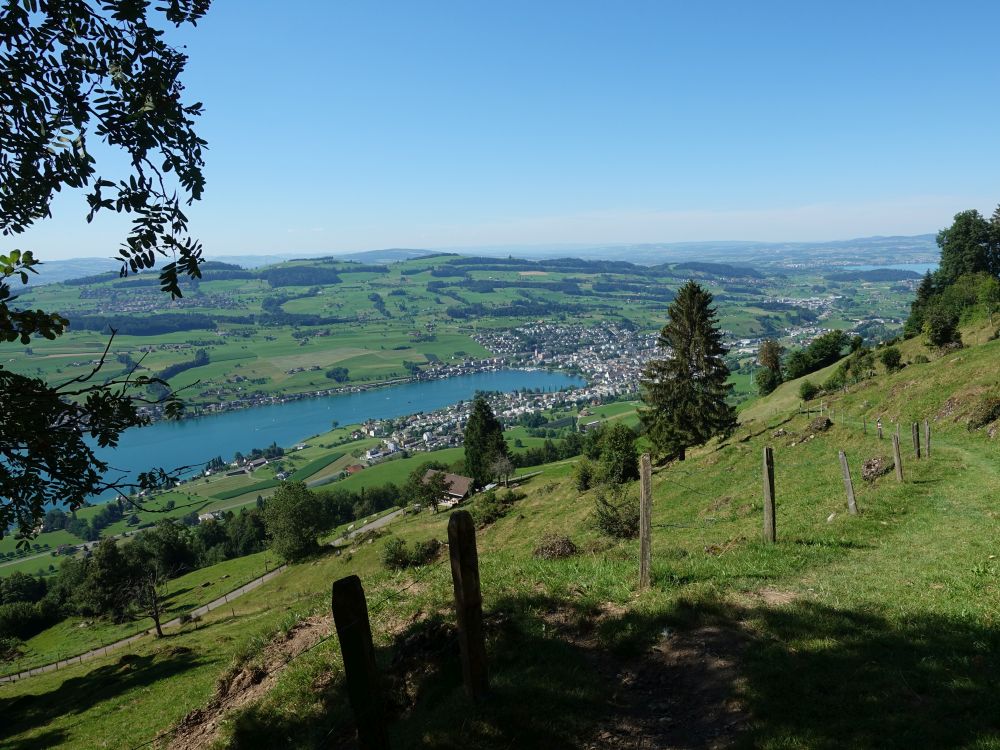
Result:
[{"x": 876, "y": 630}]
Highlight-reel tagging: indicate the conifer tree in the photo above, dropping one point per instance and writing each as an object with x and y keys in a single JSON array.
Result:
[
  {"x": 685, "y": 393},
  {"x": 918, "y": 308},
  {"x": 484, "y": 443}
]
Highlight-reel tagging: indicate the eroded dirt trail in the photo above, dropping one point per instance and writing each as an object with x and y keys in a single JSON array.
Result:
[{"x": 200, "y": 727}]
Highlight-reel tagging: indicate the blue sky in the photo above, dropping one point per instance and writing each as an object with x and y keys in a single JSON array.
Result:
[{"x": 345, "y": 126}]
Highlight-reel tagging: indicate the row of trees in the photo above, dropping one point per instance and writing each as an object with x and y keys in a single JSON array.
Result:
[{"x": 124, "y": 581}]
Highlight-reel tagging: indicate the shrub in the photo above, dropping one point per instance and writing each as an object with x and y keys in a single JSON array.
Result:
[
  {"x": 619, "y": 460},
  {"x": 767, "y": 380},
  {"x": 920, "y": 359},
  {"x": 554, "y": 546},
  {"x": 985, "y": 411},
  {"x": 835, "y": 382},
  {"x": 25, "y": 619},
  {"x": 492, "y": 506},
  {"x": 808, "y": 390},
  {"x": 616, "y": 511},
  {"x": 10, "y": 648},
  {"x": 942, "y": 327},
  {"x": 397, "y": 554},
  {"x": 583, "y": 475},
  {"x": 891, "y": 358}
]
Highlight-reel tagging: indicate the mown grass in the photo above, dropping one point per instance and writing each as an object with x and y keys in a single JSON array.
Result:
[{"x": 76, "y": 635}]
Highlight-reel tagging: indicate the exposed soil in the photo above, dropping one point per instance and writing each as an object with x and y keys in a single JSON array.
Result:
[
  {"x": 682, "y": 693},
  {"x": 199, "y": 728}
]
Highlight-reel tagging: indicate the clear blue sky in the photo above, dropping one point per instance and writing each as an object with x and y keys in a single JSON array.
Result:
[{"x": 356, "y": 125}]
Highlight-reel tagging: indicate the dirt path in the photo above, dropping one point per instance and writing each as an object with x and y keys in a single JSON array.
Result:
[
  {"x": 199, "y": 728},
  {"x": 681, "y": 694}
]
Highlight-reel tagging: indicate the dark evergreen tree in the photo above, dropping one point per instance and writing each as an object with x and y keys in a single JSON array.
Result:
[
  {"x": 918, "y": 308},
  {"x": 685, "y": 393},
  {"x": 484, "y": 442}
]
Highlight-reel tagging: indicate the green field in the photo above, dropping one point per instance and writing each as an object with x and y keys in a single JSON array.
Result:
[
  {"x": 876, "y": 630},
  {"x": 339, "y": 325}
]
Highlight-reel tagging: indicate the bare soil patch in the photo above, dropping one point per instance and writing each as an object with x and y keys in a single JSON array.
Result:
[
  {"x": 199, "y": 728},
  {"x": 683, "y": 693}
]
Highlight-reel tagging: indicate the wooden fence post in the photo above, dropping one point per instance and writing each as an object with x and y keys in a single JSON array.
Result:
[
  {"x": 468, "y": 603},
  {"x": 864, "y": 425},
  {"x": 927, "y": 438},
  {"x": 852, "y": 504},
  {"x": 915, "y": 429},
  {"x": 770, "y": 531},
  {"x": 350, "y": 615},
  {"x": 645, "y": 520},
  {"x": 897, "y": 458},
  {"x": 878, "y": 426}
]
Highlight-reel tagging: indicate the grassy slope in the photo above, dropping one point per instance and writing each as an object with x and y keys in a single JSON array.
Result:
[{"x": 869, "y": 631}]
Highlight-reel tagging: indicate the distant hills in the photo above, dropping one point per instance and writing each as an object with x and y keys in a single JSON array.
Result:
[{"x": 828, "y": 256}]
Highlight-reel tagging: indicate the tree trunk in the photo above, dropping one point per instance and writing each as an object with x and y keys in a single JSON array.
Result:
[{"x": 156, "y": 622}]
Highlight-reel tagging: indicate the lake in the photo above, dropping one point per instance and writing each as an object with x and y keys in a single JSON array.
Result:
[{"x": 194, "y": 441}]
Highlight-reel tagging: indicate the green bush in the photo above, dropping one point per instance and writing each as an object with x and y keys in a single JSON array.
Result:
[
  {"x": 941, "y": 326},
  {"x": 920, "y": 359},
  {"x": 492, "y": 506},
  {"x": 987, "y": 410},
  {"x": 25, "y": 619},
  {"x": 9, "y": 648},
  {"x": 891, "y": 358},
  {"x": 398, "y": 555},
  {"x": 808, "y": 390},
  {"x": 767, "y": 380},
  {"x": 616, "y": 510},
  {"x": 583, "y": 475}
]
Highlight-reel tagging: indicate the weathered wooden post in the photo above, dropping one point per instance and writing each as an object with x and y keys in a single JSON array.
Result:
[
  {"x": 645, "y": 521},
  {"x": 897, "y": 458},
  {"x": 915, "y": 429},
  {"x": 927, "y": 438},
  {"x": 864, "y": 425},
  {"x": 852, "y": 504},
  {"x": 770, "y": 531},
  {"x": 468, "y": 603},
  {"x": 350, "y": 615},
  {"x": 878, "y": 426}
]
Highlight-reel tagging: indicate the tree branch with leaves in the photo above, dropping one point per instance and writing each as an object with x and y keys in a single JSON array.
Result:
[{"x": 72, "y": 73}]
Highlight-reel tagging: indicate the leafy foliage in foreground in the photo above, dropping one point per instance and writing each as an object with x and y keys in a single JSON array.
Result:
[{"x": 73, "y": 73}]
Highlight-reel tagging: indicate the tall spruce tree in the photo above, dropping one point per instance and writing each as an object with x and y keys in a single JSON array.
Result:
[
  {"x": 484, "y": 443},
  {"x": 685, "y": 393}
]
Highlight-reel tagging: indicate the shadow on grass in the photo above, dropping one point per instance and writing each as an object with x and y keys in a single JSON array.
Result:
[
  {"x": 822, "y": 677},
  {"x": 77, "y": 694},
  {"x": 810, "y": 675},
  {"x": 174, "y": 594},
  {"x": 544, "y": 690},
  {"x": 43, "y": 741}
]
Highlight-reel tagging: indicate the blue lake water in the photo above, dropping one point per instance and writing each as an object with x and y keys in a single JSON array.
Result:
[
  {"x": 920, "y": 268},
  {"x": 193, "y": 441}
]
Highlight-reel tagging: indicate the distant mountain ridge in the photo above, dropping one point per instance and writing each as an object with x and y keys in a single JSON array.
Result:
[{"x": 878, "y": 250}]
